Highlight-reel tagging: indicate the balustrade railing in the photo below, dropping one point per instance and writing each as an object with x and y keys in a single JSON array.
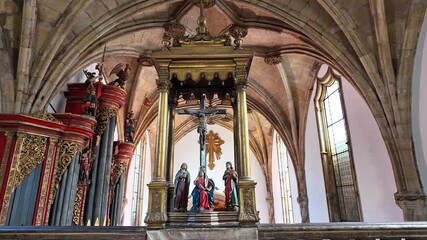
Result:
[{"x": 299, "y": 231}]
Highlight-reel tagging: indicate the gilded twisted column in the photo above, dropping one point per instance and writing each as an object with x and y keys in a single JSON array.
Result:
[{"x": 157, "y": 201}]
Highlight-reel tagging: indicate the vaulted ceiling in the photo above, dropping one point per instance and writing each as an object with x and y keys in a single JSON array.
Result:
[{"x": 372, "y": 43}]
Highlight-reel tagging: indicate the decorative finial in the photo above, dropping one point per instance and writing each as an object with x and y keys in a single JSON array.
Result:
[{"x": 238, "y": 31}]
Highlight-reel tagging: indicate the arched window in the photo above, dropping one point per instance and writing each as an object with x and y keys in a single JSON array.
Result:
[
  {"x": 138, "y": 184},
  {"x": 338, "y": 168},
  {"x": 285, "y": 185}
]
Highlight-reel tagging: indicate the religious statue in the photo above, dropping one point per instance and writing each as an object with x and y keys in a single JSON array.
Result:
[
  {"x": 90, "y": 98},
  {"x": 201, "y": 129},
  {"x": 129, "y": 127},
  {"x": 203, "y": 192},
  {"x": 121, "y": 73},
  {"x": 230, "y": 181},
  {"x": 182, "y": 186},
  {"x": 84, "y": 168}
]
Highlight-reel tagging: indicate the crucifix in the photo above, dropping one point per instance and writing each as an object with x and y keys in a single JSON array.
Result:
[{"x": 202, "y": 113}]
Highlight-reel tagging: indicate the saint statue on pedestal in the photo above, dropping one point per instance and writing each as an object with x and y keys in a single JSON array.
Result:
[{"x": 182, "y": 186}]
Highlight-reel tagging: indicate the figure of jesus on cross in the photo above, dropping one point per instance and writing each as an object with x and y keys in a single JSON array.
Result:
[{"x": 202, "y": 113}]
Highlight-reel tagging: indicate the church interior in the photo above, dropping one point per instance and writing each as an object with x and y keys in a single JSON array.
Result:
[{"x": 213, "y": 119}]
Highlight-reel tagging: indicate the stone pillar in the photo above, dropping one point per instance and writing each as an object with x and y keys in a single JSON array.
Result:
[
  {"x": 413, "y": 206},
  {"x": 157, "y": 199},
  {"x": 248, "y": 215}
]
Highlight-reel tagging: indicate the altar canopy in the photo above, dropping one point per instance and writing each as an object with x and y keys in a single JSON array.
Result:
[{"x": 194, "y": 68}]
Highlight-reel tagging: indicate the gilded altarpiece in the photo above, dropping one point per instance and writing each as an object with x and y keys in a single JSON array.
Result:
[{"x": 201, "y": 66}]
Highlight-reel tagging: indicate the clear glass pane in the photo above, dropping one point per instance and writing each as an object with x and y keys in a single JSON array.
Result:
[{"x": 340, "y": 154}]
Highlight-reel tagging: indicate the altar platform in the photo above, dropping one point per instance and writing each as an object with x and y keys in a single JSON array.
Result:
[{"x": 203, "y": 219}]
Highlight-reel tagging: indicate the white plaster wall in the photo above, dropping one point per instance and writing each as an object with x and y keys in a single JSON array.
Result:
[
  {"x": 187, "y": 150},
  {"x": 261, "y": 189},
  {"x": 419, "y": 96},
  {"x": 372, "y": 162}
]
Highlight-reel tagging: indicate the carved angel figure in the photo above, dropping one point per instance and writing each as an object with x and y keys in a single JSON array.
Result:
[{"x": 121, "y": 73}]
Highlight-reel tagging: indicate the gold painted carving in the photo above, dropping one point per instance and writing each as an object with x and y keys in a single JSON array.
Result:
[
  {"x": 103, "y": 116},
  {"x": 155, "y": 213},
  {"x": 6, "y": 200},
  {"x": 43, "y": 208},
  {"x": 9, "y": 137},
  {"x": 43, "y": 115},
  {"x": 248, "y": 214},
  {"x": 116, "y": 171},
  {"x": 213, "y": 148},
  {"x": 67, "y": 152},
  {"x": 77, "y": 207},
  {"x": 31, "y": 155}
]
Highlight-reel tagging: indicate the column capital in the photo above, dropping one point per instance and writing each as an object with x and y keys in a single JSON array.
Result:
[
  {"x": 413, "y": 205},
  {"x": 163, "y": 85},
  {"x": 241, "y": 85}
]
